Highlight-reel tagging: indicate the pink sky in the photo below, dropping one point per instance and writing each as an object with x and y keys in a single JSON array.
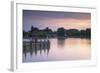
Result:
[{"x": 54, "y": 20}]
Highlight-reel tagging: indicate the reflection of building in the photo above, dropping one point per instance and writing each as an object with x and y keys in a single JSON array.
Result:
[{"x": 33, "y": 47}]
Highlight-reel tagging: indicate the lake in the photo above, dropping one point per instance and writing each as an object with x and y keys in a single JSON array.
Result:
[{"x": 60, "y": 49}]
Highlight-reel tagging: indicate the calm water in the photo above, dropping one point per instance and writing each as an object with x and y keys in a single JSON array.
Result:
[{"x": 60, "y": 49}]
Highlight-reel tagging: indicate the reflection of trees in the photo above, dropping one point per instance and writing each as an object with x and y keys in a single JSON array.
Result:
[
  {"x": 34, "y": 47},
  {"x": 61, "y": 42},
  {"x": 40, "y": 38},
  {"x": 35, "y": 34}
]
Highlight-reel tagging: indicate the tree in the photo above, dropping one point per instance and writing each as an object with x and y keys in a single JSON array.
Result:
[
  {"x": 88, "y": 33},
  {"x": 61, "y": 32},
  {"x": 33, "y": 32}
]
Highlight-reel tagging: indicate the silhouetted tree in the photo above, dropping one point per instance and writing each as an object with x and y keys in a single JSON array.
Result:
[
  {"x": 41, "y": 34},
  {"x": 72, "y": 33},
  {"x": 24, "y": 33},
  {"x": 61, "y": 32},
  {"x": 88, "y": 33},
  {"x": 33, "y": 32},
  {"x": 48, "y": 32},
  {"x": 83, "y": 33}
]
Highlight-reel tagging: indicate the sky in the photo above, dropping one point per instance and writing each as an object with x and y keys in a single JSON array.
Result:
[{"x": 55, "y": 20}]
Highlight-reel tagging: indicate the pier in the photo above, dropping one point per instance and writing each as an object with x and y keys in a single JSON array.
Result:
[{"x": 34, "y": 46}]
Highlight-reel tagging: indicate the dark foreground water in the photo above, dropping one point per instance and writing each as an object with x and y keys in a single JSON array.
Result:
[{"x": 58, "y": 49}]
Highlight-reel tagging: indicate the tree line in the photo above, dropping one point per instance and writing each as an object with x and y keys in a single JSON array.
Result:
[{"x": 60, "y": 33}]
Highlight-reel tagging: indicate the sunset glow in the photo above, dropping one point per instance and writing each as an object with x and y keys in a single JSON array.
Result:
[
  {"x": 56, "y": 36},
  {"x": 54, "y": 20}
]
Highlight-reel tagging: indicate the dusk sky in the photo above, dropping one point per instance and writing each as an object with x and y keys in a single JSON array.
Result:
[{"x": 54, "y": 20}]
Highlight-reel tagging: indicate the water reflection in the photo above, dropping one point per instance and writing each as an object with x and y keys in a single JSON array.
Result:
[
  {"x": 60, "y": 42},
  {"x": 56, "y": 49},
  {"x": 35, "y": 46}
]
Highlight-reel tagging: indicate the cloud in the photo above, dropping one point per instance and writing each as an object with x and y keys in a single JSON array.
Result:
[{"x": 54, "y": 20}]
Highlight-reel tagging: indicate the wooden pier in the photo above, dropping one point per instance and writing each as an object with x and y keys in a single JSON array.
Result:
[{"x": 34, "y": 46}]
